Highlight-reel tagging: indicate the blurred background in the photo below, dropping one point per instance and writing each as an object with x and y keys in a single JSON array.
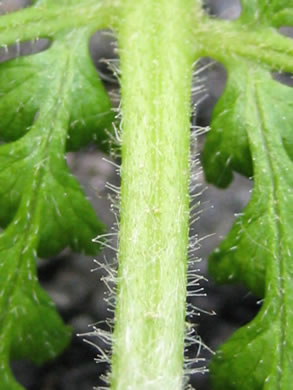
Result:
[{"x": 78, "y": 292}]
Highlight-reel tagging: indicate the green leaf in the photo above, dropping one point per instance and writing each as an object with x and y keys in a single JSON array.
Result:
[
  {"x": 227, "y": 147},
  {"x": 50, "y": 102},
  {"x": 27, "y": 82},
  {"x": 69, "y": 106},
  {"x": 258, "y": 250},
  {"x": 29, "y": 324},
  {"x": 256, "y": 11}
]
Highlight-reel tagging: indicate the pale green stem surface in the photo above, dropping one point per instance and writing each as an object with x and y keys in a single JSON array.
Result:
[{"x": 156, "y": 65}]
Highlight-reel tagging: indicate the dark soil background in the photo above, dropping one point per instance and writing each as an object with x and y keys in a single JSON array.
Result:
[{"x": 79, "y": 293}]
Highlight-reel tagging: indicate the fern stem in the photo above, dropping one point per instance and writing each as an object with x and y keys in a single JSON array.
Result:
[{"x": 156, "y": 65}]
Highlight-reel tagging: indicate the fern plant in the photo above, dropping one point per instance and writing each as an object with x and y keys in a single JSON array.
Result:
[{"x": 53, "y": 101}]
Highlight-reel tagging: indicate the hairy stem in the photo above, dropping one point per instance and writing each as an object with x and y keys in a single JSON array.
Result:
[
  {"x": 46, "y": 21},
  {"x": 156, "y": 65}
]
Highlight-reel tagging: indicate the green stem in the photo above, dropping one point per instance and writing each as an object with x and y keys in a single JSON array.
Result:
[
  {"x": 216, "y": 38},
  {"x": 156, "y": 64},
  {"x": 46, "y": 21},
  {"x": 264, "y": 46}
]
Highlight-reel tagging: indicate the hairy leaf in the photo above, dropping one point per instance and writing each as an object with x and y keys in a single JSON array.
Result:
[
  {"x": 49, "y": 102},
  {"x": 29, "y": 324},
  {"x": 252, "y": 133},
  {"x": 54, "y": 113},
  {"x": 256, "y": 11}
]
